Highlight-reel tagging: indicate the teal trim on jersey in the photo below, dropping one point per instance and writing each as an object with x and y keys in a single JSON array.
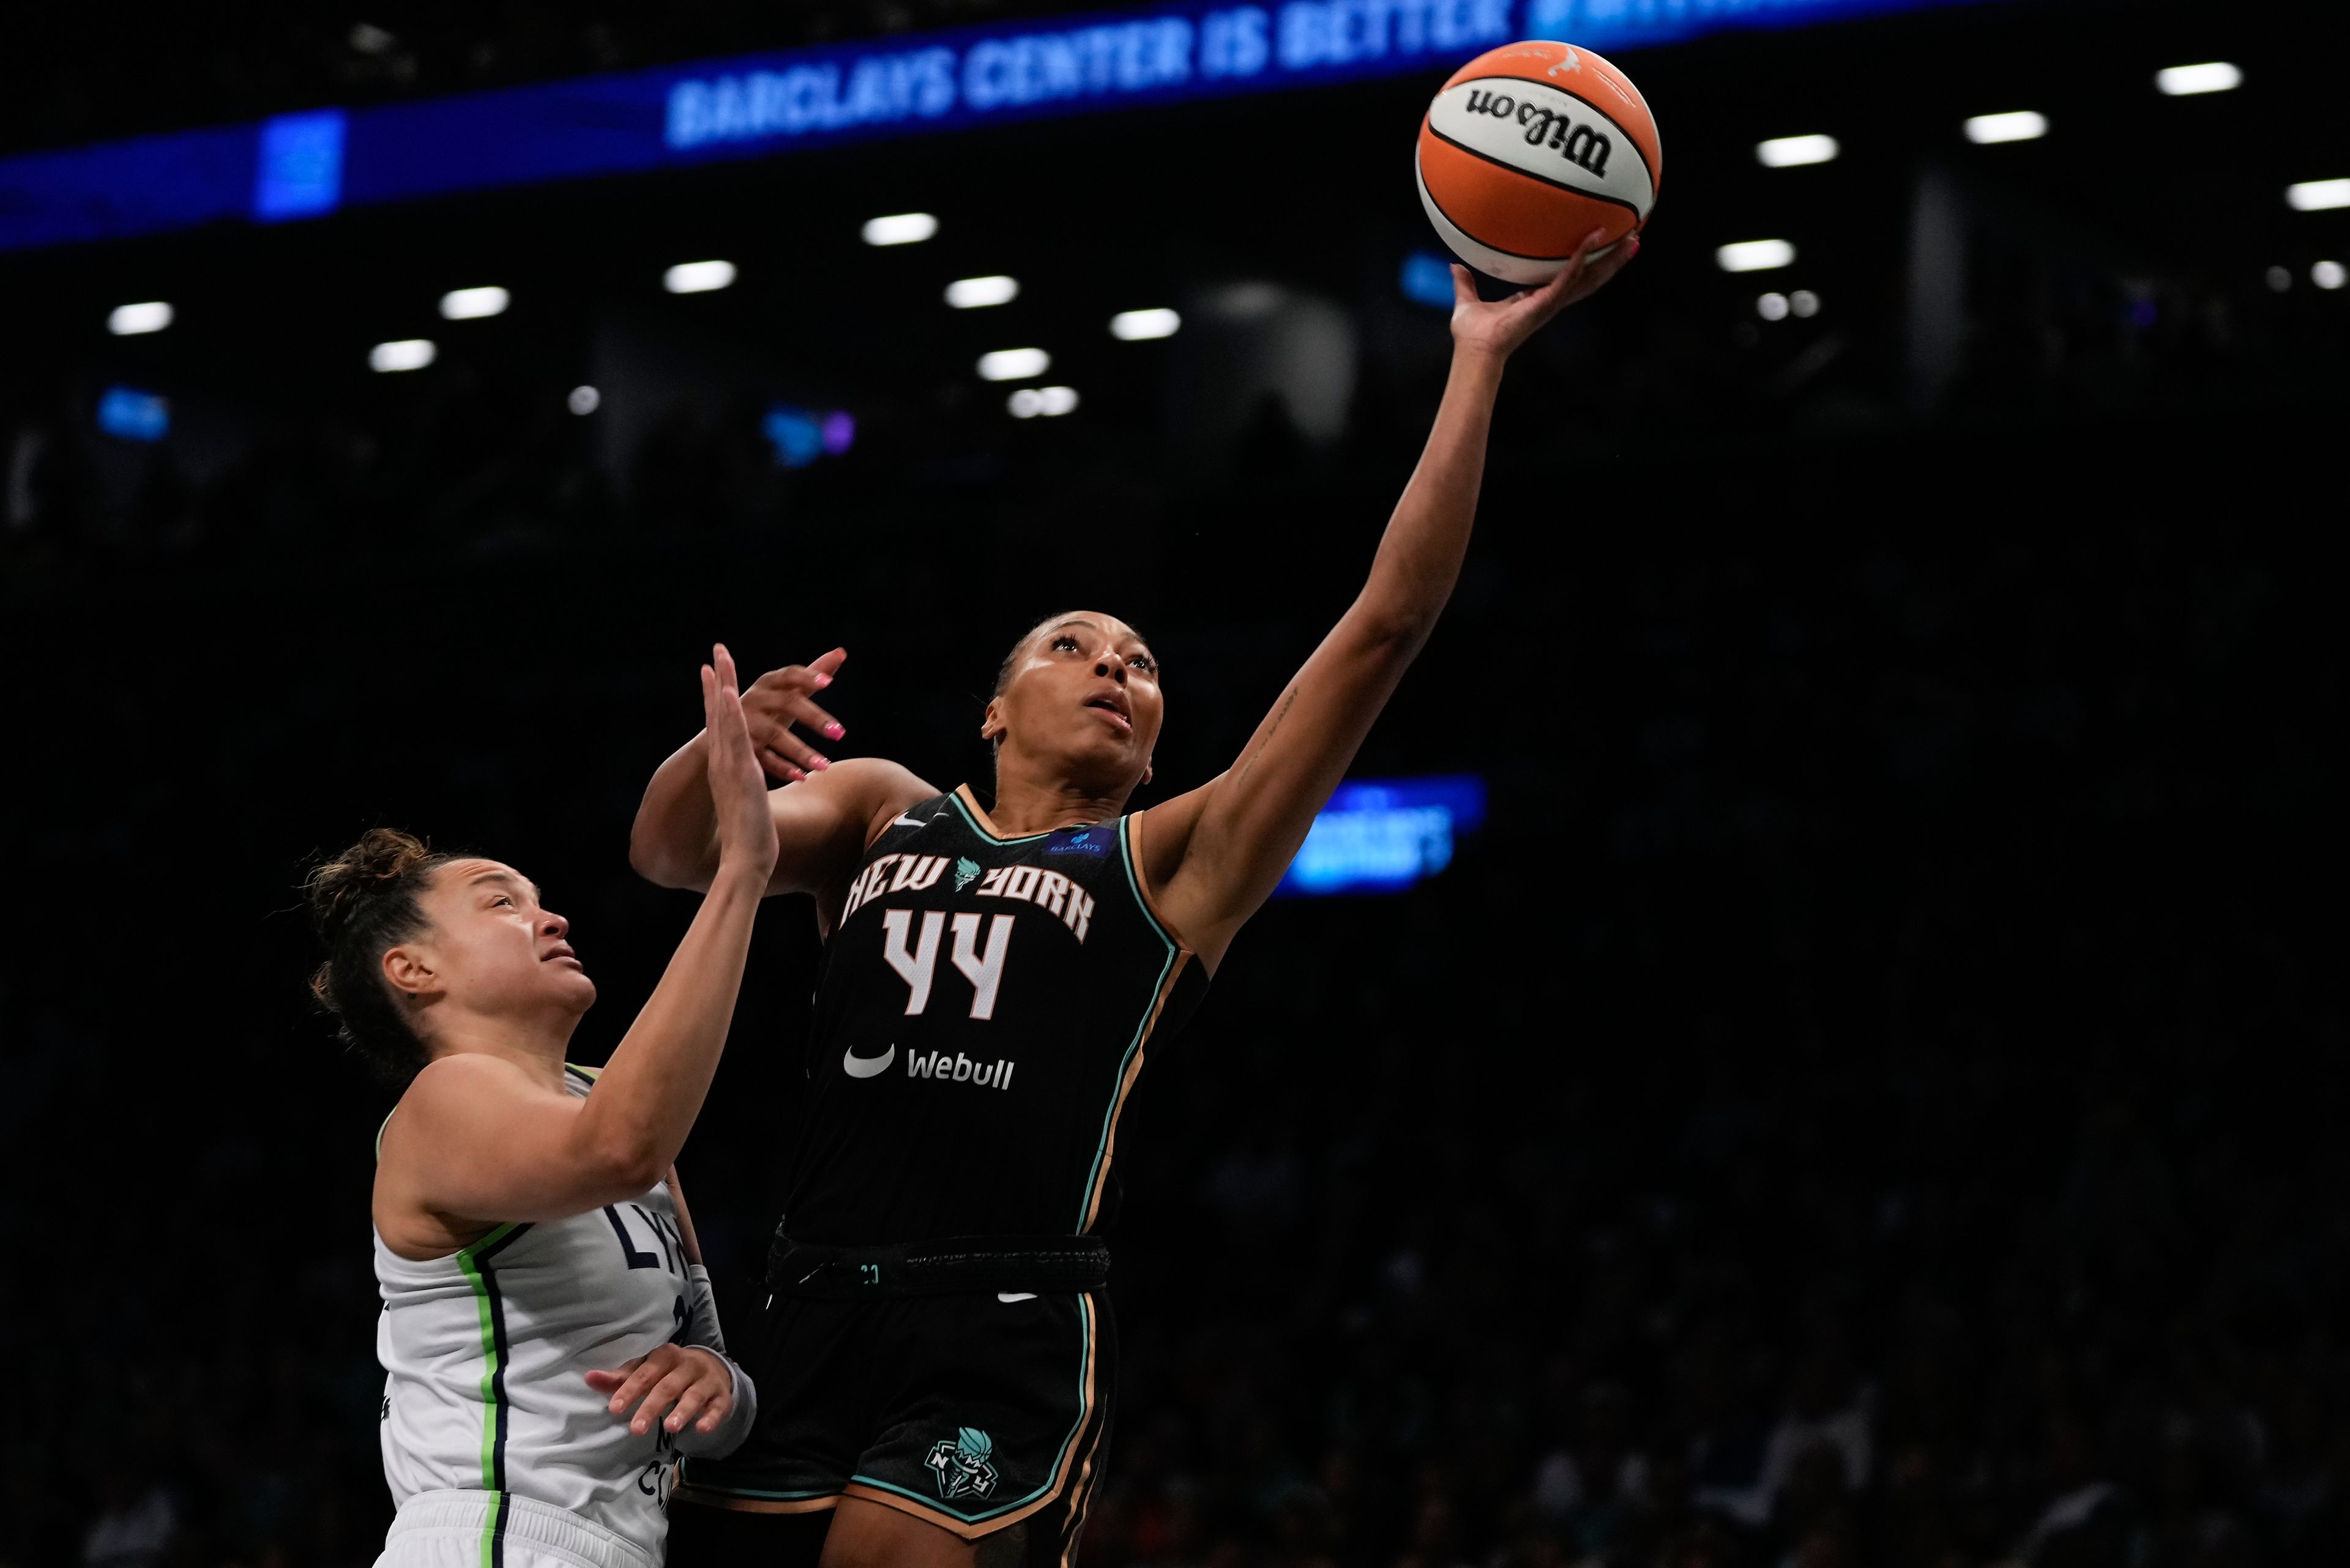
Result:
[
  {"x": 1069, "y": 1445},
  {"x": 1141, "y": 1027},
  {"x": 955, "y": 795},
  {"x": 753, "y": 1491},
  {"x": 1134, "y": 883}
]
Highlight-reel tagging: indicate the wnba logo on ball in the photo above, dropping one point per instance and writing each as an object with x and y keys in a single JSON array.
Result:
[{"x": 1575, "y": 143}]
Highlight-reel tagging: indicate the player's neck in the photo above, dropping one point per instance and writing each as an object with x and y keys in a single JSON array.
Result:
[
  {"x": 537, "y": 1045},
  {"x": 1026, "y": 805}
]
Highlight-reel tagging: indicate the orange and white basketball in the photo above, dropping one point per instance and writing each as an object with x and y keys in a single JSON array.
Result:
[{"x": 1529, "y": 148}]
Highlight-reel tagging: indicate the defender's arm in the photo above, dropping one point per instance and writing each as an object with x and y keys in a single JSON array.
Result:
[{"x": 825, "y": 815}]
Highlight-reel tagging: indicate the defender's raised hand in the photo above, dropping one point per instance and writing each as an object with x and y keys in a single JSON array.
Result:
[
  {"x": 1500, "y": 325},
  {"x": 738, "y": 792},
  {"x": 779, "y": 700}
]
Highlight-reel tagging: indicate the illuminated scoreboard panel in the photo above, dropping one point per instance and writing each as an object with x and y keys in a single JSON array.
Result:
[
  {"x": 311, "y": 163},
  {"x": 1381, "y": 835}
]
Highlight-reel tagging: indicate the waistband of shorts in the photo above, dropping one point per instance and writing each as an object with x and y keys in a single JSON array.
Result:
[
  {"x": 542, "y": 1524},
  {"x": 958, "y": 1265}
]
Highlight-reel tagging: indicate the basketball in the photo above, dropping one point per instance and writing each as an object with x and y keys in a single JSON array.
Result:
[{"x": 1530, "y": 147}]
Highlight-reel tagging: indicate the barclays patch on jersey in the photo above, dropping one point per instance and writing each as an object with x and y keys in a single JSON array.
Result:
[{"x": 1090, "y": 841}]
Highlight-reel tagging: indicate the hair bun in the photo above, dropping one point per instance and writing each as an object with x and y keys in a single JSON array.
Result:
[
  {"x": 364, "y": 901},
  {"x": 381, "y": 857}
]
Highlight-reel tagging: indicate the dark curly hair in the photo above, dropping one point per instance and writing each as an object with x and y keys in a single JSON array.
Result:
[{"x": 363, "y": 903}]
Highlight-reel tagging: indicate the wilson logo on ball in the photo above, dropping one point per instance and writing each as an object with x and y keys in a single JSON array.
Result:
[
  {"x": 1578, "y": 143},
  {"x": 1528, "y": 148}
]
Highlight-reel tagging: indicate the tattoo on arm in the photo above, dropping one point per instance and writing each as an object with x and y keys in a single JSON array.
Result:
[{"x": 1264, "y": 740}]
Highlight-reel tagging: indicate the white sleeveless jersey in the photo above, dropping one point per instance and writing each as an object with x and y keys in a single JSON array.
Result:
[{"x": 486, "y": 1353}]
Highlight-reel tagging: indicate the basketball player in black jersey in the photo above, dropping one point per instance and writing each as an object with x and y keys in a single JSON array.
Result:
[{"x": 937, "y": 1360}]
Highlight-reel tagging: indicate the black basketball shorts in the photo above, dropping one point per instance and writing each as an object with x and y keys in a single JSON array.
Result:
[{"x": 975, "y": 1412}]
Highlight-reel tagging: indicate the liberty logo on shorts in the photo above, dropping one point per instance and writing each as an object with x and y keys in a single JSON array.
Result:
[
  {"x": 965, "y": 1464},
  {"x": 966, "y": 873}
]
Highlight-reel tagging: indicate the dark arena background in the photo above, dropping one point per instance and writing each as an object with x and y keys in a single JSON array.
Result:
[{"x": 1859, "y": 1092}]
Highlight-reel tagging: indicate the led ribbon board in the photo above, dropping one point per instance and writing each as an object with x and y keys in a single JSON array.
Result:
[
  {"x": 307, "y": 165},
  {"x": 1381, "y": 835}
]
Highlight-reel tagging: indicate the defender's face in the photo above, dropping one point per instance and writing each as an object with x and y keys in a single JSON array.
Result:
[
  {"x": 493, "y": 946},
  {"x": 1085, "y": 692}
]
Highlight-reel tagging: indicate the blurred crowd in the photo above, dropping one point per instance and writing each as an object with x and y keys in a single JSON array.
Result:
[{"x": 1440, "y": 1269}]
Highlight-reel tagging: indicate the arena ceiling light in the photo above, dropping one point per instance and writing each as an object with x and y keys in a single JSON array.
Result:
[
  {"x": 1014, "y": 364},
  {"x": 1777, "y": 306},
  {"x": 2211, "y": 76},
  {"x": 130, "y": 320},
  {"x": 698, "y": 278},
  {"x": 403, "y": 354},
  {"x": 473, "y": 304},
  {"x": 1754, "y": 255},
  {"x": 1137, "y": 326},
  {"x": 1791, "y": 152},
  {"x": 2329, "y": 275},
  {"x": 583, "y": 400},
  {"x": 1042, "y": 402},
  {"x": 2017, "y": 125},
  {"x": 2317, "y": 195},
  {"x": 900, "y": 229},
  {"x": 977, "y": 292}
]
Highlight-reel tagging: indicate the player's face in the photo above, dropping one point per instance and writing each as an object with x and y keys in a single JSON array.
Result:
[
  {"x": 1084, "y": 695},
  {"x": 495, "y": 948}
]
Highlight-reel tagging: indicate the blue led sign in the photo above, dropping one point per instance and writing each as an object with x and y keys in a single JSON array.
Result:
[
  {"x": 299, "y": 170},
  {"x": 1427, "y": 279},
  {"x": 1381, "y": 835},
  {"x": 130, "y": 414},
  {"x": 308, "y": 164},
  {"x": 799, "y": 436}
]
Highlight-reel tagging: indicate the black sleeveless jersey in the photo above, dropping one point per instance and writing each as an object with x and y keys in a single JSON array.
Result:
[{"x": 984, "y": 1007}]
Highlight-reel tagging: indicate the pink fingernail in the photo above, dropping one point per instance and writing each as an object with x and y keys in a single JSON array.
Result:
[
  {"x": 835, "y": 731},
  {"x": 822, "y": 681},
  {"x": 820, "y": 764}
]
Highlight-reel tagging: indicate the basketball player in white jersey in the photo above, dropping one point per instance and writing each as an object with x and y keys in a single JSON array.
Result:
[{"x": 547, "y": 1332}]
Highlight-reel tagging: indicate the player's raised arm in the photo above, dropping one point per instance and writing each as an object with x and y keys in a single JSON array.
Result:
[
  {"x": 822, "y": 822},
  {"x": 1217, "y": 853},
  {"x": 478, "y": 1137}
]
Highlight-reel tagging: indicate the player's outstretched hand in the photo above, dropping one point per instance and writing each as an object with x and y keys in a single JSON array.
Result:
[
  {"x": 779, "y": 700},
  {"x": 738, "y": 791},
  {"x": 685, "y": 1380},
  {"x": 1499, "y": 327}
]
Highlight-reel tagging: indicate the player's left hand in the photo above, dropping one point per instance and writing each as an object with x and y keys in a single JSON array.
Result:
[
  {"x": 694, "y": 1380},
  {"x": 1499, "y": 327}
]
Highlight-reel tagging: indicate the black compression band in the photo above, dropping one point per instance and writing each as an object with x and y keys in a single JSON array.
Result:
[{"x": 958, "y": 1265}]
